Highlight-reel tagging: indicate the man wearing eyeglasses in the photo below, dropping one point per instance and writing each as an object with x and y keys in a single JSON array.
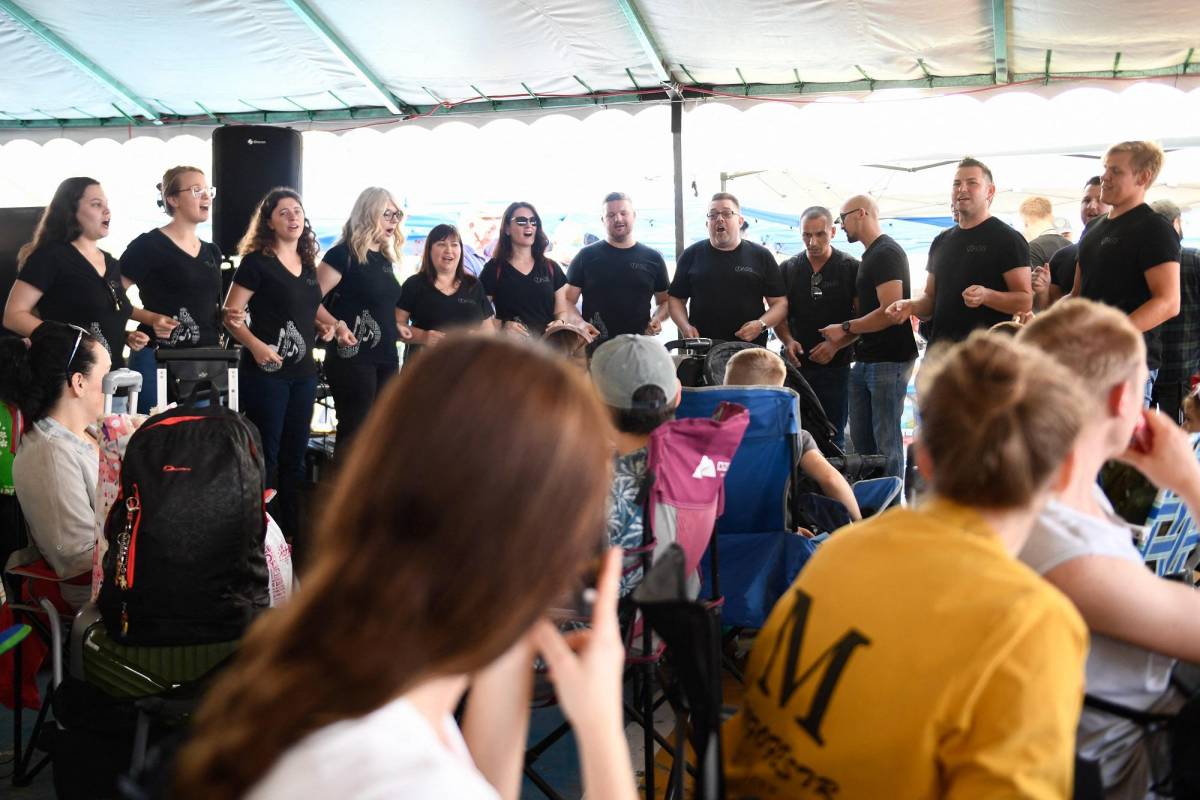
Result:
[
  {"x": 618, "y": 276},
  {"x": 726, "y": 280},
  {"x": 978, "y": 270},
  {"x": 820, "y": 291},
  {"x": 885, "y": 352}
]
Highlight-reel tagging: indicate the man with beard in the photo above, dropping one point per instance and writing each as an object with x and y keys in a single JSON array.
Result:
[
  {"x": 618, "y": 276},
  {"x": 978, "y": 271},
  {"x": 1050, "y": 285},
  {"x": 727, "y": 279}
]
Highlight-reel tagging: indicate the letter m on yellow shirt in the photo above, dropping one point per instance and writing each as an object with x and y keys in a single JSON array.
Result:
[{"x": 826, "y": 670}]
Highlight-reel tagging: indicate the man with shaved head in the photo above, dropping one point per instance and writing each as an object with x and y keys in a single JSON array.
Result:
[{"x": 886, "y": 351}]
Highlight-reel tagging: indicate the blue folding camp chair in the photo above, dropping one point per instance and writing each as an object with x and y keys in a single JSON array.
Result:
[
  {"x": 1169, "y": 547},
  {"x": 759, "y": 554}
]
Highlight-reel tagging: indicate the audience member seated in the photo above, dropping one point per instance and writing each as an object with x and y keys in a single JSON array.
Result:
[
  {"x": 1191, "y": 412},
  {"x": 56, "y": 382},
  {"x": 1139, "y": 622},
  {"x": 417, "y": 593},
  {"x": 915, "y": 656},
  {"x": 758, "y": 366},
  {"x": 635, "y": 377},
  {"x": 571, "y": 339}
]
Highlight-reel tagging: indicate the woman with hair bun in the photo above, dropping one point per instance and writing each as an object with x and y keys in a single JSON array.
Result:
[
  {"x": 178, "y": 277},
  {"x": 350, "y": 689},
  {"x": 56, "y": 382},
  {"x": 276, "y": 282},
  {"x": 358, "y": 279},
  {"x": 63, "y": 274},
  {"x": 915, "y": 642}
]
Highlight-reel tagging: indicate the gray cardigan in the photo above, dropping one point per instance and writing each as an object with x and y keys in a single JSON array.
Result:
[{"x": 55, "y": 474}]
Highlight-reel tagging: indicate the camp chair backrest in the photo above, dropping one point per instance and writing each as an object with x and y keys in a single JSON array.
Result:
[
  {"x": 757, "y": 484},
  {"x": 690, "y": 459},
  {"x": 1171, "y": 532}
]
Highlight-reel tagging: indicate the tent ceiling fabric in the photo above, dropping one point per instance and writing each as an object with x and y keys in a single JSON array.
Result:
[{"x": 195, "y": 59}]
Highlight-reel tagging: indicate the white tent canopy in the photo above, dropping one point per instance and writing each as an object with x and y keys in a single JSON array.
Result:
[{"x": 70, "y": 62}]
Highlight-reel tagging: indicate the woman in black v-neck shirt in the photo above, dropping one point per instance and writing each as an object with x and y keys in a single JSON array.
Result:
[
  {"x": 443, "y": 296},
  {"x": 178, "y": 277},
  {"x": 527, "y": 289},
  {"x": 271, "y": 310},
  {"x": 359, "y": 283},
  {"x": 63, "y": 275}
]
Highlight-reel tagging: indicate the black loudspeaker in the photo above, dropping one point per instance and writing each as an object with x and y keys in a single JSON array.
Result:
[
  {"x": 249, "y": 161},
  {"x": 16, "y": 228}
]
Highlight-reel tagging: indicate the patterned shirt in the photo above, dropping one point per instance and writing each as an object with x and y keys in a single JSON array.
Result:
[
  {"x": 625, "y": 512},
  {"x": 1181, "y": 335}
]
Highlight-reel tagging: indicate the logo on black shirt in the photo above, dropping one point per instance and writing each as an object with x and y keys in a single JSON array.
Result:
[
  {"x": 977, "y": 248},
  {"x": 638, "y": 266},
  {"x": 1109, "y": 241},
  {"x": 742, "y": 268},
  {"x": 541, "y": 279}
]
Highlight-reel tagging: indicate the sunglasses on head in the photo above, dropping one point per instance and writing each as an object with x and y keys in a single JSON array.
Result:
[{"x": 75, "y": 349}]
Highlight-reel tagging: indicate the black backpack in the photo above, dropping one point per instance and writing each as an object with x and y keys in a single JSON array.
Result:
[{"x": 185, "y": 562}]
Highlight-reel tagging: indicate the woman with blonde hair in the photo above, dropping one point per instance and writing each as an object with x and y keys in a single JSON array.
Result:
[
  {"x": 276, "y": 282},
  {"x": 416, "y": 595},
  {"x": 178, "y": 276},
  {"x": 358, "y": 280},
  {"x": 916, "y": 642}
]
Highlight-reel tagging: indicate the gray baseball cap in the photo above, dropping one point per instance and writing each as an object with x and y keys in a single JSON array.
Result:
[{"x": 626, "y": 363}]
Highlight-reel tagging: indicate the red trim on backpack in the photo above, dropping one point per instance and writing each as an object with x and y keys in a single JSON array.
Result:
[{"x": 174, "y": 421}]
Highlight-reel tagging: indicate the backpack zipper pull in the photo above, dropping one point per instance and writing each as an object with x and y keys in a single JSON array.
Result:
[
  {"x": 124, "y": 538},
  {"x": 124, "y": 619}
]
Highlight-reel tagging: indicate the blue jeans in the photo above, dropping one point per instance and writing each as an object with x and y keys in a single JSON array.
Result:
[
  {"x": 877, "y": 392},
  {"x": 1148, "y": 392},
  {"x": 281, "y": 409},
  {"x": 831, "y": 385}
]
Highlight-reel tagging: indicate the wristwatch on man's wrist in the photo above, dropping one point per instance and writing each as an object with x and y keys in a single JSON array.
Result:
[{"x": 846, "y": 326}]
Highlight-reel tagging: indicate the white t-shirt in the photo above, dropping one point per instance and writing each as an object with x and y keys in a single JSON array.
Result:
[
  {"x": 1116, "y": 671},
  {"x": 390, "y": 753}
]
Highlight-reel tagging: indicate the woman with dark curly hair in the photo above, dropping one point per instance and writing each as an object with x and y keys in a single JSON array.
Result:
[
  {"x": 276, "y": 283},
  {"x": 527, "y": 289},
  {"x": 66, "y": 277}
]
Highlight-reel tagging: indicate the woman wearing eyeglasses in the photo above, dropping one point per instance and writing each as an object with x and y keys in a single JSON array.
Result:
[
  {"x": 527, "y": 289},
  {"x": 358, "y": 279},
  {"x": 178, "y": 277},
  {"x": 276, "y": 283},
  {"x": 56, "y": 382},
  {"x": 65, "y": 275}
]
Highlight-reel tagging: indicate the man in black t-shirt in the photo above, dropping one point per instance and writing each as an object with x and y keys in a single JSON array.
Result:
[
  {"x": 885, "y": 351},
  {"x": 1129, "y": 258},
  {"x": 820, "y": 290},
  {"x": 1048, "y": 289},
  {"x": 727, "y": 279},
  {"x": 618, "y": 276},
  {"x": 978, "y": 270}
]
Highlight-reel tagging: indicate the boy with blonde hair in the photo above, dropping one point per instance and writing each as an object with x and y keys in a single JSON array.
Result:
[{"x": 757, "y": 366}]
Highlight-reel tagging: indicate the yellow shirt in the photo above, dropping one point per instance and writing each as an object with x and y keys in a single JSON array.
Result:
[{"x": 914, "y": 657}]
